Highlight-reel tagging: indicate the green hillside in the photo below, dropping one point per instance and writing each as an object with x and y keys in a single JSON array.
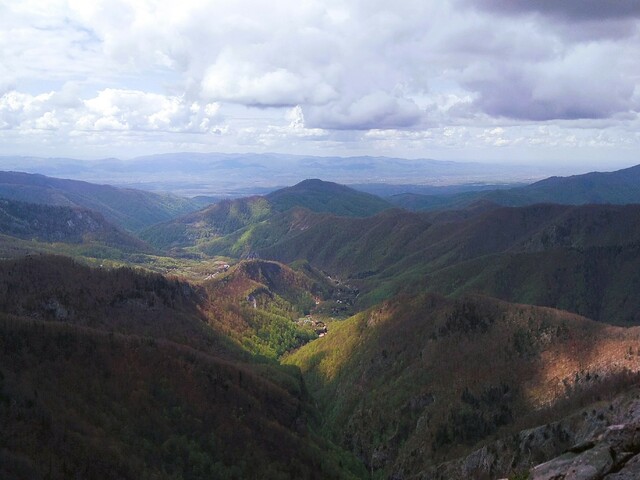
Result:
[
  {"x": 74, "y": 225},
  {"x": 122, "y": 374},
  {"x": 619, "y": 188},
  {"x": 327, "y": 197},
  {"x": 214, "y": 221},
  {"x": 246, "y": 214},
  {"x": 130, "y": 209},
  {"x": 420, "y": 380},
  {"x": 261, "y": 302}
]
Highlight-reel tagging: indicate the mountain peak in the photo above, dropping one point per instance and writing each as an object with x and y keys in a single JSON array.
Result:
[{"x": 327, "y": 197}]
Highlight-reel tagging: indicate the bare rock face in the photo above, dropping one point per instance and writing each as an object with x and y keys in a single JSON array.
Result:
[
  {"x": 591, "y": 464},
  {"x": 601, "y": 442},
  {"x": 630, "y": 471},
  {"x": 608, "y": 454}
]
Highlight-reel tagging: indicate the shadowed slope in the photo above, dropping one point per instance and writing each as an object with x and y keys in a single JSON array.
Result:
[
  {"x": 63, "y": 224},
  {"x": 128, "y": 208},
  {"x": 121, "y": 374},
  {"x": 619, "y": 187}
]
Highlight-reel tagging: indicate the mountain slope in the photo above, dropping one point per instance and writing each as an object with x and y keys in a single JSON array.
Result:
[
  {"x": 619, "y": 188},
  {"x": 62, "y": 224},
  {"x": 261, "y": 301},
  {"x": 327, "y": 197},
  {"x": 219, "y": 219},
  {"x": 420, "y": 380},
  {"x": 130, "y": 209},
  {"x": 447, "y": 252},
  {"x": 229, "y": 216},
  {"x": 123, "y": 374}
]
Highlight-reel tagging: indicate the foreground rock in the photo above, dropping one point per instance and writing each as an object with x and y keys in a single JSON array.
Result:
[{"x": 601, "y": 442}]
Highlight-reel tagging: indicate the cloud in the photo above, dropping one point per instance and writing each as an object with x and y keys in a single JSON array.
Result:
[
  {"x": 375, "y": 110},
  {"x": 275, "y": 87},
  {"x": 110, "y": 109},
  {"x": 567, "y": 87},
  {"x": 570, "y": 10}
]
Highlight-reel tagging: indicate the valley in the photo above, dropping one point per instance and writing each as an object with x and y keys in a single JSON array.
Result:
[{"x": 318, "y": 331}]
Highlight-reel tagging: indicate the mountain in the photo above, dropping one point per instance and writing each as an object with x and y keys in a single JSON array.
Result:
[
  {"x": 229, "y": 216},
  {"x": 123, "y": 374},
  {"x": 421, "y": 380},
  {"x": 214, "y": 221},
  {"x": 130, "y": 209},
  {"x": 619, "y": 187},
  {"x": 262, "y": 302},
  {"x": 319, "y": 196},
  {"x": 579, "y": 258},
  {"x": 47, "y": 223}
]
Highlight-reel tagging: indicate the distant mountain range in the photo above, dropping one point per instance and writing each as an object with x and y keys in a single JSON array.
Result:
[
  {"x": 213, "y": 174},
  {"x": 619, "y": 187}
]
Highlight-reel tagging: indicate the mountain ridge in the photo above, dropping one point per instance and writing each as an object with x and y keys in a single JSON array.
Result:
[{"x": 128, "y": 208}]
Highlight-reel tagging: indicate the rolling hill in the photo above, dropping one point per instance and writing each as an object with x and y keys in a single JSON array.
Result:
[
  {"x": 327, "y": 197},
  {"x": 130, "y": 209}
]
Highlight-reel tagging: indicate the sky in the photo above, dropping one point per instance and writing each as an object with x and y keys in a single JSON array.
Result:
[{"x": 515, "y": 81}]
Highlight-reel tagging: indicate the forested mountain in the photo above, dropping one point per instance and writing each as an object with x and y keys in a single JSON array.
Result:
[
  {"x": 118, "y": 374},
  {"x": 579, "y": 258},
  {"x": 327, "y": 197},
  {"x": 229, "y": 216},
  {"x": 48, "y": 223},
  {"x": 130, "y": 209},
  {"x": 418, "y": 381},
  {"x": 619, "y": 187}
]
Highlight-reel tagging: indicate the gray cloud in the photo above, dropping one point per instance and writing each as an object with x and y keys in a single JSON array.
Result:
[
  {"x": 377, "y": 110},
  {"x": 567, "y": 10}
]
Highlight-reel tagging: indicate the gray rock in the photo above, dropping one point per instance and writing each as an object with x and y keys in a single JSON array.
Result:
[
  {"x": 591, "y": 464},
  {"x": 630, "y": 471}
]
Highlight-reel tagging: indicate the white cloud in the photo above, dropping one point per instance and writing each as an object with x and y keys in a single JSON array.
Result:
[{"x": 110, "y": 109}]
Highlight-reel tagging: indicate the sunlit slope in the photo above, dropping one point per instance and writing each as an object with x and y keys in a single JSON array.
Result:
[
  {"x": 327, "y": 197},
  {"x": 214, "y": 221},
  {"x": 260, "y": 302},
  {"x": 229, "y": 216},
  {"x": 419, "y": 380}
]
